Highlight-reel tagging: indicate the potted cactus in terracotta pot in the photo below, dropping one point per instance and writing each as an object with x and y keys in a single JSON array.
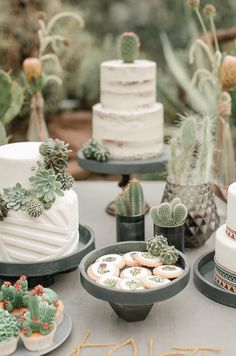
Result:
[
  {"x": 189, "y": 174},
  {"x": 168, "y": 219},
  {"x": 130, "y": 213}
]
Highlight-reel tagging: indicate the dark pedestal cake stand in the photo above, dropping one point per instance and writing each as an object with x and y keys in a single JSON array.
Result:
[
  {"x": 44, "y": 272},
  {"x": 125, "y": 169}
]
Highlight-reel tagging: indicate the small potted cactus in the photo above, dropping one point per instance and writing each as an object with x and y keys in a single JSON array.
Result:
[
  {"x": 169, "y": 219},
  {"x": 128, "y": 46},
  {"x": 38, "y": 325},
  {"x": 9, "y": 333},
  {"x": 129, "y": 205}
]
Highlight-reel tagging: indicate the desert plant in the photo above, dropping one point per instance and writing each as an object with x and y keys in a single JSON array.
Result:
[
  {"x": 128, "y": 46},
  {"x": 14, "y": 296},
  {"x": 156, "y": 244},
  {"x": 169, "y": 255},
  {"x": 96, "y": 151},
  {"x": 131, "y": 201},
  {"x": 169, "y": 214},
  {"x": 191, "y": 150},
  {"x": 10, "y": 102},
  {"x": 9, "y": 326}
]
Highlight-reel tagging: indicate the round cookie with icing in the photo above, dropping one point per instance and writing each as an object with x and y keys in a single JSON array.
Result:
[
  {"x": 135, "y": 272},
  {"x": 118, "y": 260},
  {"x": 154, "y": 282},
  {"x": 130, "y": 259},
  {"x": 131, "y": 284},
  {"x": 148, "y": 260},
  {"x": 102, "y": 269},
  {"x": 112, "y": 281},
  {"x": 168, "y": 271}
]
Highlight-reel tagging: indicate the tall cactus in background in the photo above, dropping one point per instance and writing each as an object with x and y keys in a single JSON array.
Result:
[
  {"x": 131, "y": 201},
  {"x": 128, "y": 46},
  {"x": 11, "y": 101}
]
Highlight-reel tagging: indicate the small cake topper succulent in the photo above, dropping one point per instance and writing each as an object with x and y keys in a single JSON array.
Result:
[
  {"x": 34, "y": 208},
  {"x": 128, "y": 47},
  {"x": 55, "y": 154},
  {"x": 156, "y": 244},
  {"x": 16, "y": 197},
  {"x": 169, "y": 255},
  {"x": 131, "y": 201},
  {"x": 3, "y": 208},
  {"x": 169, "y": 214},
  {"x": 14, "y": 296},
  {"x": 96, "y": 151},
  {"x": 9, "y": 326}
]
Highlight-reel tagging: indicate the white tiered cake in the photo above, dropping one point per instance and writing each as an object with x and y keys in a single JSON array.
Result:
[
  {"x": 22, "y": 237},
  {"x": 129, "y": 121},
  {"x": 225, "y": 246}
]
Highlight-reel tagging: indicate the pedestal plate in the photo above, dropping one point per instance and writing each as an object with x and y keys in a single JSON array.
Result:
[{"x": 125, "y": 169}]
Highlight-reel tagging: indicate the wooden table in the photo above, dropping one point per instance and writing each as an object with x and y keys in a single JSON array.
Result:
[{"x": 188, "y": 319}]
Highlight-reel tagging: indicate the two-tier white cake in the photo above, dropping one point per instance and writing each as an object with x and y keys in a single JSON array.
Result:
[
  {"x": 129, "y": 121},
  {"x": 22, "y": 237},
  {"x": 225, "y": 246}
]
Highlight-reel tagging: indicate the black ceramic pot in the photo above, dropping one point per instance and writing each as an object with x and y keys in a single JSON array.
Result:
[
  {"x": 130, "y": 228},
  {"x": 174, "y": 235}
]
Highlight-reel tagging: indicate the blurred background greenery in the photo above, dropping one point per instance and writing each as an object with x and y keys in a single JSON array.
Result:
[{"x": 105, "y": 20}]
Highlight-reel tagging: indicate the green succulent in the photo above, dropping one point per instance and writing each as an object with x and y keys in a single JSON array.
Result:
[
  {"x": 34, "y": 208},
  {"x": 16, "y": 197},
  {"x": 45, "y": 186},
  {"x": 102, "y": 154},
  {"x": 3, "y": 208},
  {"x": 90, "y": 148},
  {"x": 66, "y": 181},
  {"x": 156, "y": 244},
  {"x": 128, "y": 47},
  {"x": 169, "y": 255},
  {"x": 56, "y": 154},
  {"x": 9, "y": 326}
]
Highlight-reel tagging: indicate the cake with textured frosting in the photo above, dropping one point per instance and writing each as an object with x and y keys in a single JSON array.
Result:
[
  {"x": 129, "y": 121},
  {"x": 225, "y": 246},
  {"x": 38, "y": 210}
]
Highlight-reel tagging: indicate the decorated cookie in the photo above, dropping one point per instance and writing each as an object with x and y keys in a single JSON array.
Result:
[
  {"x": 168, "y": 271},
  {"x": 102, "y": 269},
  {"x": 112, "y": 281},
  {"x": 130, "y": 259},
  {"x": 146, "y": 259},
  {"x": 118, "y": 260},
  {"x": 131, "y": 284},
  {"x": 135, "y": 272},
  {"x": 154, "y": 281}
]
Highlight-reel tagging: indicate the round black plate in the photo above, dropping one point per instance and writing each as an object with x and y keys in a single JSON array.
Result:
[
  {"x": 203, "y": 271},
  {"x": 41, "y": 270},
  {"x": 152, "y": 165},
  {"x": 131, "y": 305}
]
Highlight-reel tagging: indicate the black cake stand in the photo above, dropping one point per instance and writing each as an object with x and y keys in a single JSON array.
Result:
[
  {"x": 125, "y": 169},
  {"x": 44, "y": 272}
]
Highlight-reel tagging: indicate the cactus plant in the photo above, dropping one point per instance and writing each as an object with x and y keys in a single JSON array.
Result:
[
  {"x": 39, "y": 318},
  {"x": 156, "y": 244},
  {"x": 11, "y": 102},
  {"x": 169, "y": 214},
  {"x": 96, "y": 151},
  {"x": 34, "y": 208},
  {"x": 169, "y": 255},
  {"x": 129, "y": 47},
  {"x": 66, "y": 181},
  {"x": 14, "y": 296},
  {"x": 3, "y": 208},
  {"x": 9, "y": 326},
  {"x": 131, "y": 201}
]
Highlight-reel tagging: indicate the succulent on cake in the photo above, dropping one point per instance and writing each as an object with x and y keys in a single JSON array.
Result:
[
  {"x": 34, "y": 208},
  {"x": 66, "y": 181},
  {"x": 14, "y": 296},
  {"x": 16, "y": 197},
  {"x": 9, "y": 326},
  {"x": 156, "y": 244},
  {"x": 169, "y": 214},
  {"x": 55, "y": 154},
  {"x": 131, "y": 201},
  {"x": 39, "y": 318},
  {"x": 45, "y": 186},
  {"x": 3, "y": 208},
  {"x": 129, "y": 47},
  {"x": 96, "y": 151},
  {"x": 169, "y": 255}
]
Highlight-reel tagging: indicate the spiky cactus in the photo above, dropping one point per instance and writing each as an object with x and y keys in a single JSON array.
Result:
[
  {"x": 156, "y": 244},
  {"x": 169, "y": 214},
  {"x": 40, "y": 317},
  {"x": 131, "y": 201},
  {"x": 11, "y": 102},
  {"x": 14, "y": 296},
  {"x": 129, "y": 47},
  {"x": 34, "y": 208},
  {"x": 169, "y": 255},
  {"x": 96, "y": 151}
]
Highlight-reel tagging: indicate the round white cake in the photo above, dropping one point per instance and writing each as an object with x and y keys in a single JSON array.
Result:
[
  {"x": 128, "y": 121},
  {"x": 225, "y": 246},
  {"x": 23, "y": 238}
]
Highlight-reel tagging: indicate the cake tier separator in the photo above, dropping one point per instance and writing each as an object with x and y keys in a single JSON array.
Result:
[
  {"x": 44, "y": 272},
  {"x": 125, "y": 168},
  {"x": 203, "y": 271}
]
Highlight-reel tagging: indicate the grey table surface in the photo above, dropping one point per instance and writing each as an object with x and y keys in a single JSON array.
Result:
[{"x": 188, "y": 319}]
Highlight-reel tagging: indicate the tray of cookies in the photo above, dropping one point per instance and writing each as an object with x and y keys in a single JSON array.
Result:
[{"x": 131, "y": 279}]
